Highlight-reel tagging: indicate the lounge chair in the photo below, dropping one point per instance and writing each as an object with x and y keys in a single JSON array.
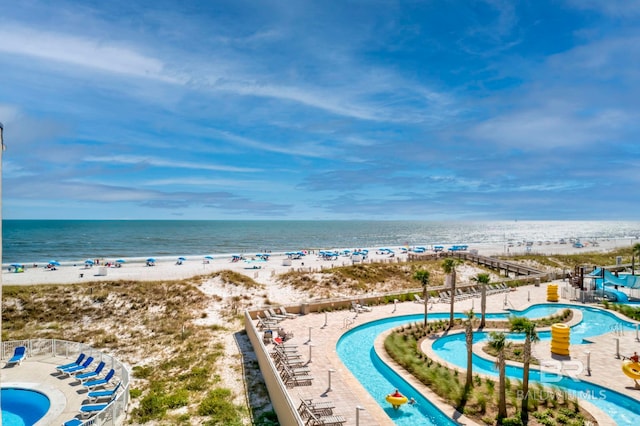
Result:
[
  {"x": 102, "y": 394},
  {"x": 72, "y": 364},
  {"x": 92, "y": 384},
  {"x": 73, "y": 422},
  {"x": 273, "y": 313},
  {"x": 271, "y": 318},
  {"x": 19, "y": 353},
  {"x": 284, "y": 312},
  {"x": 89, "y": 410},
  {"x": 356, "y": 307},
  {"x": 418, "y": 299},
  {"x": 365, "y": 307},
  {"x": 78, "y": 368},
  {"x": 91, "y": 374}
]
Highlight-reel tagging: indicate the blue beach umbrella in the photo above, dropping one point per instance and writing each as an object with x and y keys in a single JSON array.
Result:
[
  {"x": 89, "y": 262},
  {"x": 121, "y": 261},
  {"x": 182, "y": 258},
  {"x": 151, "y": 259},
  {"x": 54, "y": 263}
]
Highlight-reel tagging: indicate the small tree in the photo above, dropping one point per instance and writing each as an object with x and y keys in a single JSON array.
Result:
[
  {"x": 449, "y": 267},
  {"x": 468, "y": 331},
  {"x": 528, "y": 327},
  {"x": 635, "y": 252},
  {"x": 483, "y": 279},
  {"x": 498, "y": 342},
  {"x": 423, "y": 276}
]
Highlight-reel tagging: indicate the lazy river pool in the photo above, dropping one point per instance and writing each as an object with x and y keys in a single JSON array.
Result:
[{"x": 356, "y": 351}]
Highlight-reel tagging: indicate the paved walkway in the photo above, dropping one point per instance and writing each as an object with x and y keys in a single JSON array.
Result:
[{"x": 317, "y": 334}]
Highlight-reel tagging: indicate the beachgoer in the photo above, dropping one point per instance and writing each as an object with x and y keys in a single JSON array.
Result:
[
  {"x": 396, "y": 393},
  {"x": 412, "y": 401},
  {"x": 634, "y": 357}
]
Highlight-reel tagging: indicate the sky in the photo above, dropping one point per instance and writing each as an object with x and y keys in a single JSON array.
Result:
[{"x": 333, "y": 109}]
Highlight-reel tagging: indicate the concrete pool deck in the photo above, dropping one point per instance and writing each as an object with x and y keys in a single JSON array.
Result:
[
  {"x": 317, "y": 334},
  {"x": 39, "y": 373}
]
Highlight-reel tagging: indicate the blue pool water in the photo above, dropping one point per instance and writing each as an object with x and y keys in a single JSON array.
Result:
[
  {"x": 355, "y": 349},
  {"x": 23, "y": 407}
]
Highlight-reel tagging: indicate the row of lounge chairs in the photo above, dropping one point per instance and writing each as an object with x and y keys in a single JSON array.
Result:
[
  {"x": 94, "y": 383},
  {"x": 271, "y": 318},
  {"x": 319, "y": 413},
  {"x": 293, "y": 370}
]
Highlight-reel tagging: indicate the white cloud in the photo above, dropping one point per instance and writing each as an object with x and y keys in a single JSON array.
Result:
[
  {"x": 78, "y": 51},
  {"x": 162, "y": 162}
]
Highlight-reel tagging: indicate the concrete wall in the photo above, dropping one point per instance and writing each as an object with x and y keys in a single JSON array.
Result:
[{"x": 283, "y": 405}]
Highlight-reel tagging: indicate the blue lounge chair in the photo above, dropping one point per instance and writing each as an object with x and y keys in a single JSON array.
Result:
[
  {"x": 91, "y": 409},
  {"x": 78, "y": 368},
  {"x": 103, "y": 394},
  {"x": 19, "y": 353},
  {"x": 100, "y": 382},
  {"x": 91, "y": 374},
  {"x": 72, "y": 364},
  {"x": 73, "y": 422}
]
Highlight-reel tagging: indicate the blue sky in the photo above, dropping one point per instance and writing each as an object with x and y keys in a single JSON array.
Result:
[{"x": 372, "y": 109}]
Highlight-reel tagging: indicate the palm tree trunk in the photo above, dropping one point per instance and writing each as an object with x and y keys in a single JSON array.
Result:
[
  {"x": 502, "y": 402},
  {"x": 469, "y": 339},
  {"x": 425, "y": 297},
  {"x": 524, "y": 410},
  {"x": 453, "y": 291},
  {"x": 483, "y": 305}
]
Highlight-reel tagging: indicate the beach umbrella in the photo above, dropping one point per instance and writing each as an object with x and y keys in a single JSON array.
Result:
[
  {"x": 17, "y": 265},
  {"x": 89, "y": 262},
  {"x": 182, "y": 258},
  {"x": 151, "y": 259},
  {"x": 54, "y": 263},
  {"x": 121, "y": 261},
  {"x": 209, "y": 257}
]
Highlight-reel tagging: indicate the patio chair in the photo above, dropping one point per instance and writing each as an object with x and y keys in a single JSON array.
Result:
[
  {"x": 73, "y": 422},
  {"x": 356, "y": 307},
  {"x": 19, "y": 353},
  {"x": 92, "y": 384},
  {"x": 102, "y": 394},
  {"x": 72, "y": 364},
  {"x": 89, "y": 410},
  {"x": 273, "y": 314},
  {"x": 78, "y": 368},
  {"x": 418, "y": 299},
  {"x": 91, "y": 374},
  {"x": 284, "y": 312}
]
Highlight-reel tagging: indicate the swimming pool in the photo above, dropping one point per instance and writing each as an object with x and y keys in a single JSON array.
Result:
[
  {"x": 23, "y": 407},
  {"x": 355, "y": 349}
]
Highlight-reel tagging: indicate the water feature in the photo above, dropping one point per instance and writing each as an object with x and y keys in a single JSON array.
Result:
[
  {"x": 355, "y": 348},
  {"x": 23, "y": 407}
]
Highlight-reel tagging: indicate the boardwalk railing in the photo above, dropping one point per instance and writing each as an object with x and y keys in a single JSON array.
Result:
[{"x": 114, "y": 413}]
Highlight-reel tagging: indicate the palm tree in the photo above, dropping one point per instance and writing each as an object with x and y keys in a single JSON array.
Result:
[
  {"x": 498, "y": 342},
  {"x": 528, "y": 327},
  {"x": 423, "y": 276},
  {"x": 468, "y": 331},
  {"x": 483, "y": 279},
  {"x": 635, "y": 251},
  {"x": 449, "y": 267}
]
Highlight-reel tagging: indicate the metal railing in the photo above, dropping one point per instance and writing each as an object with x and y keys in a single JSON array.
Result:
[{"x": 114, "y": 413}]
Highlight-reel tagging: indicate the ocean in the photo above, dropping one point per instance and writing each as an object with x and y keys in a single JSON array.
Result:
[{"x": 37, "y": 241}]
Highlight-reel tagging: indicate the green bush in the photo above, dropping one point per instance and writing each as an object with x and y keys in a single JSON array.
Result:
[
  {"x": 179, "y": 398},
  {"x": 217, "y": 405},
  {"x": 512, "y": 421}
]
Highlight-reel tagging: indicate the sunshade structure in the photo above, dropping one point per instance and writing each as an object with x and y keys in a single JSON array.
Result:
[
  {"x": 151, "y": 259},
  {"x": 182, "y": 258},
  {"x": 209, "y": 257},
  {"x": 121, "y": 261},
  {"x": 54, "y": 263},
  {"x": 89, "y": 262}
]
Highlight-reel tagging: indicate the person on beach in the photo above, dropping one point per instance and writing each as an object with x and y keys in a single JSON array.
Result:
[{"x": 634, "y": 357}]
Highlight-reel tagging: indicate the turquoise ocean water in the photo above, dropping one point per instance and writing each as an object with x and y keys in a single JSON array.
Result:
[{"x": 26, "y": 241}]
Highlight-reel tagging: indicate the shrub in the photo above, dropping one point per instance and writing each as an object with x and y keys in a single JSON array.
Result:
[{"x": 512, "y": 421}]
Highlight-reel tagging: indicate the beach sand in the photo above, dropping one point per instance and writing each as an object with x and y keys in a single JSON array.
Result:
[{"x": 264, "y": 272}]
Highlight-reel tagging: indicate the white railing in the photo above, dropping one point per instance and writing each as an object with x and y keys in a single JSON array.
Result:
[{"x": 114, "y": 413}]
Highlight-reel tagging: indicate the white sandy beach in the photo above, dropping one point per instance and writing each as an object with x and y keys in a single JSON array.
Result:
[{"x": 167, "y": 269}]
